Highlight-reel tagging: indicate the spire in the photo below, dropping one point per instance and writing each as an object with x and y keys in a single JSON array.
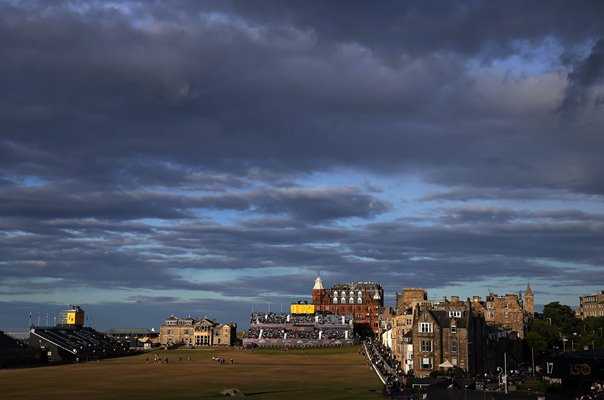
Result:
[
  {"x": 318, "y": 283},
  {"x": 528, "y": 291}
]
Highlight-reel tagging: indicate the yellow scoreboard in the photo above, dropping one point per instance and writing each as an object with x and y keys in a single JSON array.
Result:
[
  {"x": 302, "y": 308},
  {"x": 75, "y": 317}
]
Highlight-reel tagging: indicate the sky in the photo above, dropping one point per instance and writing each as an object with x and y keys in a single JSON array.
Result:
[{"x": 210, "y": 158}]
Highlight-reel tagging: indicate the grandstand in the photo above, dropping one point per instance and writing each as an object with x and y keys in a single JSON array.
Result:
[
  {"x": 14, "y": 352},
  {"x": 69, "y": 340},
  {"x": 297, "y": 330},
  {"x": 75, "y": 344}
]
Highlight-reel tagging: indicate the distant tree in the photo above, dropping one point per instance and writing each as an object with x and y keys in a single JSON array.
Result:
[
  {"x": 591, "y": 333},
  {"x": 594, "y": 324},
  {"x": 558, "y": 327},
  {"x": 540, "y": 331},
  {"x": 537, "y": 342}
]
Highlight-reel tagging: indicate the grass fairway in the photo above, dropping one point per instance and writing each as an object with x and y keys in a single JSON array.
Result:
[{"x": 333, "y": 373}]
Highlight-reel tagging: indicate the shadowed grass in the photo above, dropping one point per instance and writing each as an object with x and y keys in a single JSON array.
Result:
[{"x": 331, "y": 373}]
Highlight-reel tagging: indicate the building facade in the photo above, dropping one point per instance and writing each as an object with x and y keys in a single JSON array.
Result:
[
  {"x": 425, "y": 334},
  {"x": 448, "y": 335},
  {"x": 364, "y": 300},
  {"x": 509, "y": 312},
  {"x": 410, "y": 297},
  {"x": 592, "y": 305},
  {"x": 196, "y": 332}
]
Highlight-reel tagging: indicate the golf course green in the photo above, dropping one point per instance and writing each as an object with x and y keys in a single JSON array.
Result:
[{"x": 313, "y": 373}]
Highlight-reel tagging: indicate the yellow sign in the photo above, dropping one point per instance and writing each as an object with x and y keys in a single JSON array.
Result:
[{"x": 302, "y": 309}]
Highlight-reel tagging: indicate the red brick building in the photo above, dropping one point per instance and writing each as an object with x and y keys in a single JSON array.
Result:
[{"x": 364, "y": 300}]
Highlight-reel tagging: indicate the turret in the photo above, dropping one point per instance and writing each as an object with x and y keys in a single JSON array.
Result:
[
  {"x": 529, "y": 301},
  {"x": 318, "y": 291}
]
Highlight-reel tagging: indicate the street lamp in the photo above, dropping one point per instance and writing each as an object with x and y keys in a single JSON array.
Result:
[
  {"x": 573, "y": 341},
  {"x": 505, "y": 371}
]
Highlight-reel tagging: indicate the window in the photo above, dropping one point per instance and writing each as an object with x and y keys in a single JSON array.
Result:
[
  {"x": 335, "y": 300},
  {"x": 169, "y": 331},
  {"x": 186, "y": 332},
  {"x": 454, "y": 314},
  {"x": 490, "y": 314},
  {"x": 454, "y": 346},
  {"x": 453, "y": 328},
  {"x": 489, "y": 305},
  {"x": 359, "y": 301},
  {"x": 507, "y": 315},
  {"x": 426, "y": 345},
  {"x": 343, "y": 300},
  {"x": 426, "y": 363},
  {"x": 425, "y": 327}
]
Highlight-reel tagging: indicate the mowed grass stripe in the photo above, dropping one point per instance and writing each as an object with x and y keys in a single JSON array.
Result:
[{"x": 327, "y": 373}]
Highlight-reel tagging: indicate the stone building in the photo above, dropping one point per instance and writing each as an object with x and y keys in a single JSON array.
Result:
[
  {"x": 450, "y": 332},
  {"x": 209, "y": 333},
  {"x": 509, "y": 312},
  {"x": 410, "y": 297},
  {"x": 364, "y": 300},
  {"x": 399, "y": 326},
  {"x": 473, "y": 322},
  {"x": 201, "y": 332},
  {"x": 591, "y": 305}
]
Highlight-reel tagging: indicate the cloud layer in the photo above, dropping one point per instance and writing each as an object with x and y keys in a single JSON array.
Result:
[{"x": 197, "y": 152}]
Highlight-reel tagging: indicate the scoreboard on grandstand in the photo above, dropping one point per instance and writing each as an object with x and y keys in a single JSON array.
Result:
[
  {"x": 74, "y": 316},
  {"x": 302, "y": 307}
]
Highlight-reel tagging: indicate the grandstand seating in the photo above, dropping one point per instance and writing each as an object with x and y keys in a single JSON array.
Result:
[
  {"x": 276, "y": 329},
  {"x": 77, "y": 343},
  {"x": 14, "y": 352}
]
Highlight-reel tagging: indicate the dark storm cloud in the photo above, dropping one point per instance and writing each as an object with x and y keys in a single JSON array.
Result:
[
  {"x": 379, "y": 250},
  {"x": 49, "y": 202},
  {"x": 310, "y": 205},
  {"x": 147, "y": 145},
  {"x": 424, "y": 26},
  {"x": 581, "y": 91},
  {"x": 323, "y": 204},
  {"x": 124, "y": 100}
]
